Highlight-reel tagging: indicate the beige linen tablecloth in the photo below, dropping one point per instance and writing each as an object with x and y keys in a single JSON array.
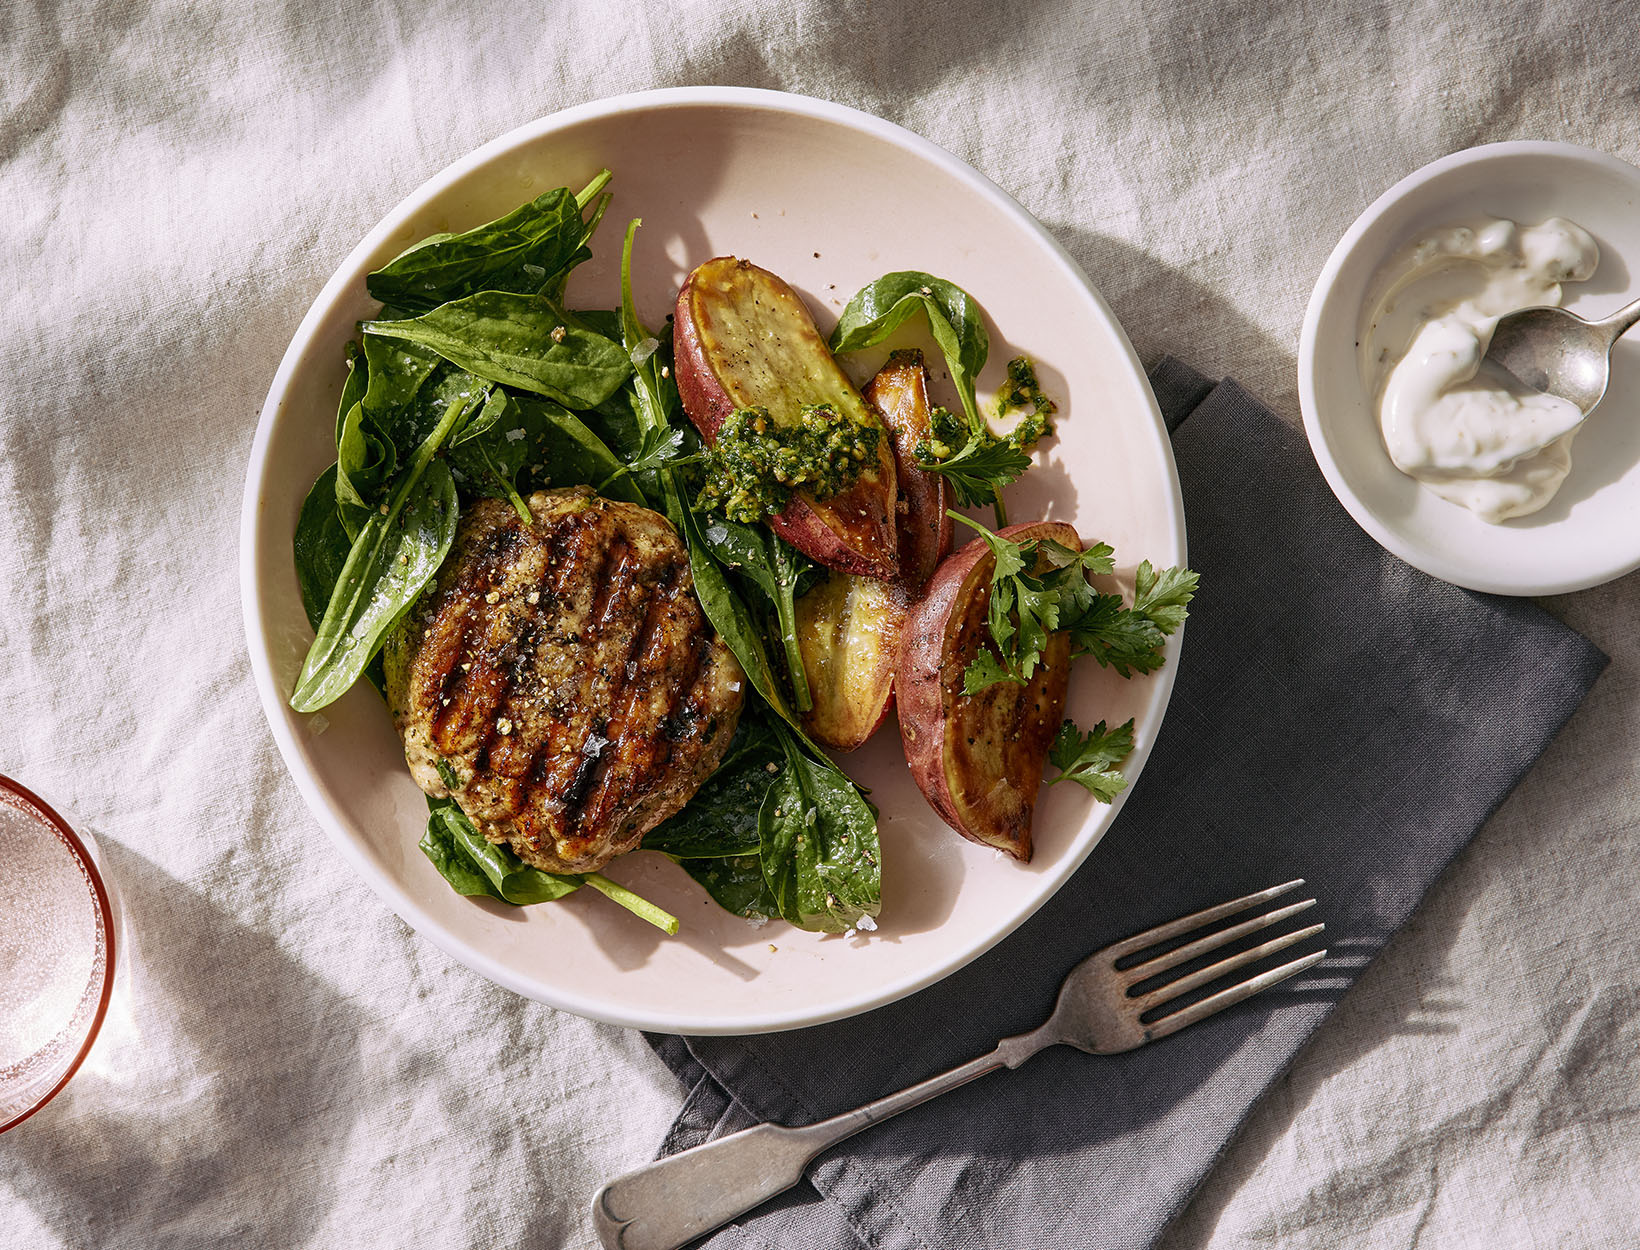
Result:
[{"x": 287, "y": 1065}]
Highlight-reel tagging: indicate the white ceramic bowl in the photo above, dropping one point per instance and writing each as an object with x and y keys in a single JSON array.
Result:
[
  {"x": 1590, "y": 532},
  {"x": 830, "y": 199}
]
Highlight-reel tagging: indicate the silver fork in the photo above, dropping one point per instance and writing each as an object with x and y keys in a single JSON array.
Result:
[{"x": 1101, "y": 1010}]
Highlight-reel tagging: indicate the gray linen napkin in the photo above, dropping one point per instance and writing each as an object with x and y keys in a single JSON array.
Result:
[{"x": 1338, "y": 716}]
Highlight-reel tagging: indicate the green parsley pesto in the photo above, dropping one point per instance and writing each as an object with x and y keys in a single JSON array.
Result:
[
  {"x": 755, "y": 464},
  {"x": 1024, "y": 391},
  {"x": 976, "y": 462}
]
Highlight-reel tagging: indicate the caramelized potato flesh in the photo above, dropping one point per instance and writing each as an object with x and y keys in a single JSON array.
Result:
[
  {"x": 899, "y": 392},
  {"x": 848, "y": 629},
  {"x": 742, "y": 338}
]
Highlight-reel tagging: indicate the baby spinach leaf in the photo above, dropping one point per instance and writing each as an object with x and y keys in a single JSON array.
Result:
[
  {"x": 486, "y": 455},
  {"x": 396, "y": 553},
  {"x": 441, "y": 844},
  {"x": 775, "y": 568},
  {"x": 393, "y": 558},
  {"x": 353, "y": 390},
  {"x": 410, "y": 390},
  {"x": 475, "y": 866},
  {"x": 497, "y": 404},
  {"x": 366, "y": 460},
  {"x": 736, "y": 884},
  {"x": 954, "y": 319},
  {"x": 397, "y": 371},
  {"x": 321, "y": 546},
  {"x": 526, "y": 341},
  {"x": 509, "y": 878},
  {"x": 818, "y": 844},
  {"x": 409, "y": 424},
  {"x": 527, "y": 250},
  {"x": 566, "y": 452},
  {"x": 727, "y": 611},
  {"x": 617, "y": 422},
  {"x": 604, "y": 321},
  {"x": 654, "y": 391},
  {"x": 720, "y": 821}
]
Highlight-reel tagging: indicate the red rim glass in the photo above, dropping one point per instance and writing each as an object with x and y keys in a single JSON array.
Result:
[{"x": 99, "y": 890}]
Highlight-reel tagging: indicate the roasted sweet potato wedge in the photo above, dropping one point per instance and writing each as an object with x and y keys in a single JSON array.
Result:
[
  {"x": 900, "y": 393},
  {"x": 848, "y": 628},
  {"x": 978, "y": 758},
  {"x": 742, "y": 338}
]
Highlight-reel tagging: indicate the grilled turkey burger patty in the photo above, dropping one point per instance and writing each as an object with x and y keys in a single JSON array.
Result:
[{"x": 564, "y": 673}]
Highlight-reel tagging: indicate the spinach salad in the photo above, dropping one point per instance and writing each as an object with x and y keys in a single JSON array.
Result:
[{"x": 477, "y": 380}]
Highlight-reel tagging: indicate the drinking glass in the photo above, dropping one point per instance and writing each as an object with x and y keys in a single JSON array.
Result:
[{"x": 56, "y": 952}]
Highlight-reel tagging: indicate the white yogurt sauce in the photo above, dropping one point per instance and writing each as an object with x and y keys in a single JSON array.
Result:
[{"x": 1472, "y": 435}]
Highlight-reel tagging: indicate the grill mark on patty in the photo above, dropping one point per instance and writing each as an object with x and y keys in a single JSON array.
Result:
[
  {"x": 493, "y": 553},
  {"x": 607, "y": 596},
  {"x": 645, "y": 756},
  {"x": 558, "y": 774},
  {"x": 627, "y": 587}
]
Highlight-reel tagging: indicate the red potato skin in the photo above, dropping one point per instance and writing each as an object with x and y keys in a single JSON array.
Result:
[
  {"x": 873, "y": 551},
  {"x": 899, "y": 392},
  {"x": 928, "y": 690}
]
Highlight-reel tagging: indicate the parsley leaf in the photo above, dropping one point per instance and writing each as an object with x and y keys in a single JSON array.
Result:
[
  {"x": 1130, "y": 640},
  {"x": 976, "y": 462},
  {"x": 659, "y": 447},
  {"x": 987, "y": 669},
  {"x": 1162, "y": 596},
  {"x": 1091, "y": 759},
  {"x": 1040, "y": 587}
]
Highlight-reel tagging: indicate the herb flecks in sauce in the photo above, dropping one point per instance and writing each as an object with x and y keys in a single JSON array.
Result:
[
  {"x": 1024, "y": 391},
  {"x": 755, "y": 463},
  {"x": 977, "y": 462}
]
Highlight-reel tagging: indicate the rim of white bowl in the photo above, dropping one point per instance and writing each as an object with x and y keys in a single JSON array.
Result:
[
  {"x": 1499, "y": 583},
  {"x": 386, "y": 888}
]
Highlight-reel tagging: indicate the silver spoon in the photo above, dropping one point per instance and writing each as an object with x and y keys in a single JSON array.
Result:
[{"x": 1558, "y": 352}]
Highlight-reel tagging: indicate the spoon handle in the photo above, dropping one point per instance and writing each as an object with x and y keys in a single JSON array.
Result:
[{"x": 1619, "y": 322}]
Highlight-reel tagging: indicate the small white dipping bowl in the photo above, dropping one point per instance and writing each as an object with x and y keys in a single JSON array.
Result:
[{"x": 1590, "y": 532}]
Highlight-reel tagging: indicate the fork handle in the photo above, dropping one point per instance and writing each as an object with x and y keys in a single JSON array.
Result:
[{"x": 670, "y": 1202}]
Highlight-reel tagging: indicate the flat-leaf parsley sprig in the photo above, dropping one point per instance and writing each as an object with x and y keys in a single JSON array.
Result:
[
  {"x": 1029, "y": 602},
  {"x": 1092, "y": 760},
  {"x": 977, "y": 462}
]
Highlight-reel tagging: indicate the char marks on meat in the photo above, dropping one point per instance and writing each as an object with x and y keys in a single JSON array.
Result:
[{"x": 564, "y": 674}]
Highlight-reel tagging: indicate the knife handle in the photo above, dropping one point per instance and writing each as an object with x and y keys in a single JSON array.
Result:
[{"x": 668, "y": 1203}]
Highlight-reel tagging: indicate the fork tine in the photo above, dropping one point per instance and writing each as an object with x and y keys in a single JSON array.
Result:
[
  {"x": 1191, "y": 950},
  {"x": 1183, "y": 985},
  {"x": 1187, "y": 924},
  {"x": 1228, "y": 998}
]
